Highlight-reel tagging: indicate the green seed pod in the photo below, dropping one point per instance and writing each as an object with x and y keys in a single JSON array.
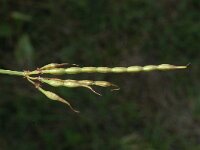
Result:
[
  {"x": 119, "y": 69},
  {"x": 74, "y": 84},
  {"x": 71, "y": 83},
  {"x": 106, "y": 84},
  {"x": 170, "y": 67},
  {"x": 56, "y": 71},
  {"x": 55, "y": 65},
  {"x": 88, "y": 69},
  {"x": 103, "y": 69},
  {"x": 134, "y": 69},
  {"x": 72, "y": 70},
  {"x": 131, "y": 69},
  {"x": 52, "y": 82},
  {"x": 86, "y": 82},
  {"x": 149, "y": 68},
  {"x": 66, "y": 83},
  {"x": 58, "y": 82},
  {"x": 102, "y": 83},
  {"x": 98, "y": 83},
  {"x": 55, "y": 97},
  {"x": 52, "y": 66}
]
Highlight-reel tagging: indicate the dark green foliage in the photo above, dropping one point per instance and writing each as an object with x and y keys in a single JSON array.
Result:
[{"x": 155, "y": 111}]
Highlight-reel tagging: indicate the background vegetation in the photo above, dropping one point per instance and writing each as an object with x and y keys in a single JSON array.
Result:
[{"x": 152, "y": 111}]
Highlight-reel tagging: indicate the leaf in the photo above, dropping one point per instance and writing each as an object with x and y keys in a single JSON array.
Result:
[{"x": 24, "y": 51}]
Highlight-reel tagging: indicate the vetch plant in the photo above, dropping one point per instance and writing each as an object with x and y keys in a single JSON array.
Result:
[{"x": 35, "y": 78}]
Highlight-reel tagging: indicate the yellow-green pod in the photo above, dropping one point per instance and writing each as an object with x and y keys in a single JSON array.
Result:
[
  {"x": 86, "y": 82},
  {"x": 134, "y": 69},
  {"x": 88, "y": 69},
  {"x": 165, "y": 67},
  {"x": 170, "y": 67},
  {"x": 97, "y": 83},
  {"x": 106, "y": 84},
  {"x": 103, "y": 69},
  {"x": 73, "y": 70},
  {"x": 53, "y": 82},
  {"x": 56, "y": 71},
  {"x": 55, "y": 65},
  {"x": 49, "y": 66},
  {"x": 55, "y": 97},
  {"x": 119, "y": 69},
  {"x": 74, "y": 83},
  {"x": 149, "y": 68},
  {"x": 102, "y": 83},
  {"x": 71, "y": 83}
]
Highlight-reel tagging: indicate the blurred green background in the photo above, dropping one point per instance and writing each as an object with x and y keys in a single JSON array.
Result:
[{"x": 152, "y": 111}]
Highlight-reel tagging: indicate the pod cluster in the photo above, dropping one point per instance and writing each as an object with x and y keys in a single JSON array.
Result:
[{"x": 58, "y": 69}]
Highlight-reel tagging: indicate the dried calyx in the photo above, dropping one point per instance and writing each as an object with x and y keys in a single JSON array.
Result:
[{"x": 58, "y": 69}]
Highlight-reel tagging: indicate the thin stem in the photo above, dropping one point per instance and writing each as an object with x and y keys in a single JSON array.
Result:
[{"x": 10, "y": 72}]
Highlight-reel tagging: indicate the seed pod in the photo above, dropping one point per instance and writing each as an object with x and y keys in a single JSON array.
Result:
[
  {"x": 55, "y": 65},
  {"x": 86, "y": 82},
  {"x": 134, "y": 69},
  {"x": 106, "y": 84},
  {"x": 72, "y": 70},
  {"x": 131, "y": 69},
  {"x": 149, "y": 68},
  {"x": 74, "y": 83},
  {"x": 66, "y": 83},
  {"x": 99, "y": 83},
  {"x": 88, "y": 69},
  {"x": 170, "y": 67},
  {"x": 52, "y": 81},
  {"x": 103, "y": 69},
  {"x": 119, "y": 69},
  {"x": 55, "y": 97},
  {"x": 56, "y": 71},
  {"x": 71, "y": 83}
]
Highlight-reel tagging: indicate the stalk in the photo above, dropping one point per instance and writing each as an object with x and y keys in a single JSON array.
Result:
[{"x": 10, "y": 72}]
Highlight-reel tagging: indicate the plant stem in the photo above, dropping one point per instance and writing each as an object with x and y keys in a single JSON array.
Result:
[{"x": 10, "y": 72}]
